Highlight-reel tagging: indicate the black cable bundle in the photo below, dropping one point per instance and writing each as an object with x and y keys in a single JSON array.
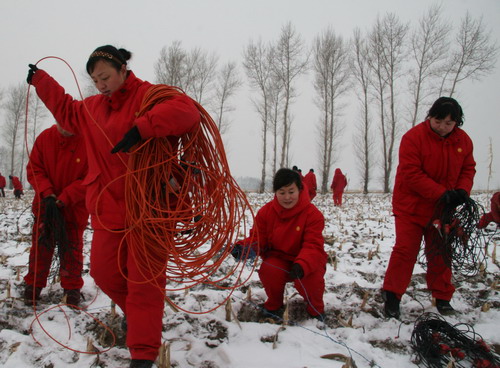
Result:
[
  {"x": 53, "y": 227},
  {"x": 456, "y": 238},
  {"x": 436, "y": 342}
]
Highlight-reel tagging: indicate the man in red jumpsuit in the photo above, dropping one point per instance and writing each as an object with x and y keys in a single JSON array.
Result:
[
  {"x": 56, "y": 169},
  {"x": 3, "y": 184},
  {"x": 310, "y": 182},
  {"x": 18, "y": 187},
  {"x": 291, "y": 245},
  {"x": 339, "y": 183},
  {"x": 436, "y": 165}
]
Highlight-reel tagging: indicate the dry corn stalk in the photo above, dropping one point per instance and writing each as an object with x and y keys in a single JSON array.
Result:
[
  {"x": 229, "y": 309},
  {"x": 164, "y": 356}
]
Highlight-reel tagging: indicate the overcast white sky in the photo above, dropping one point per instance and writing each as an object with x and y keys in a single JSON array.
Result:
[{"x": 31, "y": 30}]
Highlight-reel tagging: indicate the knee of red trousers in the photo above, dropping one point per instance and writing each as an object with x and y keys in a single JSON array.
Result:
[
  {"x": 273, "y": 274},
  {"x": 312, "y": 289}
]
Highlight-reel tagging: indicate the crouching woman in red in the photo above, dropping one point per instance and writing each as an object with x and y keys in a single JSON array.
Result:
[
  {"x": 291, "y": 245},
  {"x": 436, "y": 166}
]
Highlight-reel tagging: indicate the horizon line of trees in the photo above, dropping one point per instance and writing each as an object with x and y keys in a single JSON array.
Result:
[{"x": 393, "y": 68}]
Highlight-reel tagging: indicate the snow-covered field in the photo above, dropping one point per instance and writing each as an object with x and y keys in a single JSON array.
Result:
[{"x": 358, "y": 237}]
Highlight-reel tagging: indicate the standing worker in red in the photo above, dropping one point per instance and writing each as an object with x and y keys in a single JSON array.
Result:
[
  {"x": 339, "y": 183},
  {"x": 291, "y": 245},
  {"x": 3, "y": 184},
  {"x": 18, "y": 187},
  {"x": 106, "y": 120},
  {"x": 310, "y": 182},
  {"x": 436, "y": 166},
  {"x": 56, "y": 169}
]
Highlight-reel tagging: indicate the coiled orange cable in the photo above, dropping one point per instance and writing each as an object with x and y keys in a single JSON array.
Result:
[{"x": 184, "y": 209}]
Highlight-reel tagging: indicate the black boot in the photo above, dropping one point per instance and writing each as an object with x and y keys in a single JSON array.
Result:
[
  {"x": 444, "y": 307},
  {"x": 391, "y": 307},
  {"x": 29, "y": 292},
  {"x": 141, "y": 363}
]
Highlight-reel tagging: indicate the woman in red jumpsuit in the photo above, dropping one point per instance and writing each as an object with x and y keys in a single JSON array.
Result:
[
  {"x": 436, "y": 164},
  {"x": 339, "y": 183},
  {"x": 291, "y": 245},
  {"x": 106, "y": 120},
  {"x": 56, "y": 169}
]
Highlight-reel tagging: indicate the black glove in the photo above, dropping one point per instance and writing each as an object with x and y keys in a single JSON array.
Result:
[
  {"x": 462, "y": 194},
  {"x": 129, "y": 140},
  {"x": 31, "y": 72},
  {"x": 451, "y": 198},
  {"x": 243, "y": 252},
  {"x": 296, "y": 272},
  {"x": 237, "y": 251}
]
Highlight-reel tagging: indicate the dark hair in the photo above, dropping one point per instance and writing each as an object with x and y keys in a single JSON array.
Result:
[
  {"x": 445, "y": 106},
  {"x": 285, "y": 177},
  {"x": 112, "y": 55}
]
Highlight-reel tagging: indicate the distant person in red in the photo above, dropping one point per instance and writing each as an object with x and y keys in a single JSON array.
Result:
[
  {"x": 310, "y": 182},
  {"x": 56, "y": 169},
  {"x": 18, "y": 187},
  {"x": 3, "y": 184},
  {"x": 291, "y": 245},
  {"x": 493, "y": 215},
  {"x": 435, "y": 173},
  {"x": 339, "y": 183}
]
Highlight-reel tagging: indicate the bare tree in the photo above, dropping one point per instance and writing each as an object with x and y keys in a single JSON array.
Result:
[
  {"x": 258, "y": 67},
  {"x": 170, "y": 67},
  {"x": 429, "y": 48},
  {"x": 290, "y": 62},
  {"x": 388, "y": 38},
  {"x": 193, "y": 71},
  {"x": 227, "y": 84},
  {"x": 202, "y": 67},
  {"x": 276, "y": 102},
  {"x": 363, "y": 142},
  {"x": 331, "y": 81},
  {"x": 474, "y": 55},
  {"x": 15, "y": 108}
]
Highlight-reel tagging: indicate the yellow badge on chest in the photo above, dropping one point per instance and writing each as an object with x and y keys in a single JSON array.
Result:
[
  {"x": 77, "y": 160},
  {"x": 297, "y": 228},
  {"x": 459, "y": 150}
]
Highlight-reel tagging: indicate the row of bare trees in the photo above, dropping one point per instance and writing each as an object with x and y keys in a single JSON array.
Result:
[
  {"x": 393, "y": 69},
  {"x": 13, "y": 103}
]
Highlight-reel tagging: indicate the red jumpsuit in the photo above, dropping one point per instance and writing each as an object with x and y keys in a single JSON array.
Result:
[
  {"x": 428, "y": 166},
  {"x": 3, "y": 183},
  {"x": 57, "y": 166},
  {"x": 288, "y": 236},
  {"x": 339, "y": 183},
  {"x": 18, "y": 187},
  {"x": 494, "y": 214},
  {"x": 103, "y": 121},
  {"x": 310, "y": 181}
]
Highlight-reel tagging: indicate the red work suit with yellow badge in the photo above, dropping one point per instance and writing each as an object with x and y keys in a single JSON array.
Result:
[
  {"x": 428, "y": 166},
  {"x": 287, "y": 236}
]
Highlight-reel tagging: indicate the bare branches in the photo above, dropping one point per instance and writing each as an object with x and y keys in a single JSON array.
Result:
[
  {"x": 331, "y": 81},
  {"x": 474, "y": 55}
]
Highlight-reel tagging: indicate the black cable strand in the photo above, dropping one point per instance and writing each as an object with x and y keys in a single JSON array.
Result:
[
  {"x": 454, "y": 237},
  {"x": 435, "y": 343}
]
